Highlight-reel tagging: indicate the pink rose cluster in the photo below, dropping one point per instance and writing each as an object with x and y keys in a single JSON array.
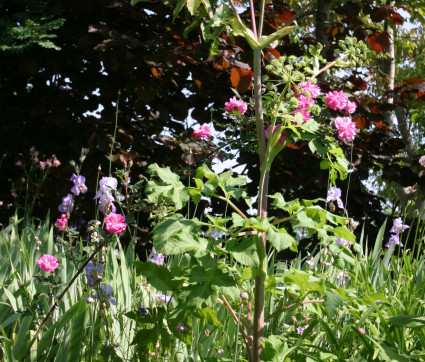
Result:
[
  {"x": 62, "y": 223},
  {"x": 236, "y": 107},
  {"x": 338, "y": 101},
  {"x": 48, "y": 263},
  {"x": 115, "y": 223},
  {"x": 346, "y": 128},
  {"x": 202, "y": 132},
  {"x": 304, "y": 102}
]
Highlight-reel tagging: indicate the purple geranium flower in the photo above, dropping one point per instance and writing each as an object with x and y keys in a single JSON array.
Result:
[{"x": 79, "y": 184}]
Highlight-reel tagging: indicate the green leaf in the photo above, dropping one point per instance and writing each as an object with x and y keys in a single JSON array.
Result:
[
  {"x": 193, "y": 5},
  {"x": 157, "y": 275},
  {"x": 280, "y": 239},
  {"x": 264, "y": 42},
  {"x": 410, "y": 321},
  {"x": 22, "y": 339},
  {"x": 240, "y": 29},
  {"x": 178, "y": 235},
  {"x": 244, "y": 252},
  {"x": 332, "y": 303},
  {"x": 209, "y": 315},
  {"x": 171, "y": 189},
  {"x": 77, "y": 333}
]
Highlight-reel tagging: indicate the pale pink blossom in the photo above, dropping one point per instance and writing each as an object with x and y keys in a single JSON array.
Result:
[
  {"x": 62, "y": 222},
  {"x": 18, "y": 163},
  {"x": 48, "y": 162},
  {"x": 235, "y": 107},
  {"x": 56, "y": 162},
  {"x": 346, "y": 128},
  {"x": 42, "y": 164},
  {"x": 336, "y": 100},
  {"x": 361, "y": 330},
  {"x": 311, "y": 88},
  {"x": 202, "y": 132},
  {"x": 48, "y": 262},
  {"x": 115, "y": 223}
]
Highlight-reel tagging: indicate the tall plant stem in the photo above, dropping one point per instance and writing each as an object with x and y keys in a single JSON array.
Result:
[{"x": 261, "y": 273}]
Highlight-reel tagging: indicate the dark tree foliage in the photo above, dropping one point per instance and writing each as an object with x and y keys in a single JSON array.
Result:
[{"x": 109, "y": 47}]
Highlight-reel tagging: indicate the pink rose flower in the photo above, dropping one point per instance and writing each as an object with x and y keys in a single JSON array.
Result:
[
  {"x": 336, "y": 100},
  {"x": 311, "y": 88},
  {"x": 282, "y": 136},
  {"x": 62, "y": 223},
  {"x": 115, "y": 223},
  {"x": 350, "y": 107},
  {"x": 47, "y": 262},
  {"x": 304, "y": 102},
  {"x": 202, "y": 132},
  {"x": 235, "y": 107},
  {"x": 346, "y": 129}
]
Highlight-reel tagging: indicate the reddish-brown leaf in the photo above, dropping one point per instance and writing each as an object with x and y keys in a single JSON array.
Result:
[
  {"x": 379, "y": 13},
  {"x": 381, "y": 125},
  {"x": 286, "y": 14},
  {"x": 155, "y": 72},
  {"x": 361, "y": 122},
  {"x": 405, "y": 8},
  {"x": 360, "y": 34},
  {"x": 293, "y": 146},
  {"x": 413, "y": 80},
  {"x": 241, "y": 79},
  {"x": 378, "y": 41},
  {"x": 271, "y": 54},
  {"x": 331, "y": 30},
  {"x": 396, "y": 18},
  {"x": 358, "y": 82},
  {"x": 222, "y": 64}
]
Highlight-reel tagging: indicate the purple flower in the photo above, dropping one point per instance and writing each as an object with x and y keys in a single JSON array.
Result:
[
  {"x": 398, "y": 226},
  {"x": 156, "y": 258},
  {"x": 310, "y": 263},
  {"x": 143, "y": 311},
  {"x": 94, "y": 273},
  {"x": 79, "y": 184},
  {"x": 300, "y": 330},
  {"x": 394, "y": 239},
  {"x": 104, "y": 294},
  {"x": 334, "y": 194},
  {"x": 159, "y": 298},
  {"x": 105, "y": 194},
  {"x": 342, "y": 242},
  {"x": 220, "y": 351},
  {"x": 67, "y": 204}
]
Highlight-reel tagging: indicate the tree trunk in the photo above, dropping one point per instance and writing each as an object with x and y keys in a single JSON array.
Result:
[{"x": 322, "y": 22}]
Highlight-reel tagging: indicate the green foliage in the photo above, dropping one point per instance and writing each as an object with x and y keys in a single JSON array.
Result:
[{"x": 33, "y": 25}]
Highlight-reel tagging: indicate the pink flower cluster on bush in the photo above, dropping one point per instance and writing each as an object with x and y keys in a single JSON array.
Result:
[
  {"x": 346, "y": 128},
  {"x": 48, "y": 262},
  {"x": 338, "y": 101},
  {"x": 236, "y": 107},
  {"x": 304, "y": 102},
  {"x": 62, "y": 223},
  {"x": 202, "y": 132},
  {"x": 115, "y": 223}
]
